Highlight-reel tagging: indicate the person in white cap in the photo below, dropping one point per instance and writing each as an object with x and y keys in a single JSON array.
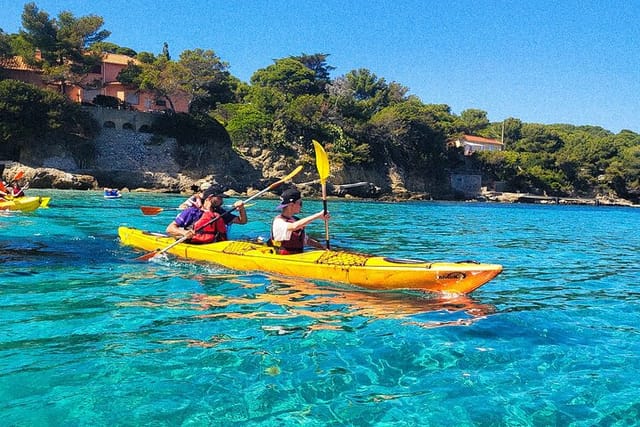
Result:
[{"x": 287, "y": 230}]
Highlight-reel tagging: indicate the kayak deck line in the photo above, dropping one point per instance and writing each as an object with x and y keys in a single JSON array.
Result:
[{"x": 363, "y": 270}]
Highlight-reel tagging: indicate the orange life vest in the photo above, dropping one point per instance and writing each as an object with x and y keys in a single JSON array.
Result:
[{"x": 207, "y": 231}]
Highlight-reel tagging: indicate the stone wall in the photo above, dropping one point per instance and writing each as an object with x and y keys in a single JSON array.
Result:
[
  {"x": 122, "y": 119},
  {"x": 467, "y": 184},
  {"x": 134, "y": 151}
]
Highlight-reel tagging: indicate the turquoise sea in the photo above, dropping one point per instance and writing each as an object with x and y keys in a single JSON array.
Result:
[{"x": 91, "y": 337}]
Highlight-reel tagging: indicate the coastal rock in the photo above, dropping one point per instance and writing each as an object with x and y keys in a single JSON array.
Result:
[{"x": 50, "y": 178}]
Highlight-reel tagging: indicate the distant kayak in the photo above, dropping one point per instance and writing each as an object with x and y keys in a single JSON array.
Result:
[
  {"x": 25, "y": 204},
  {"x": 111, "y": 193},
  {"x": 368, "y": 271}
]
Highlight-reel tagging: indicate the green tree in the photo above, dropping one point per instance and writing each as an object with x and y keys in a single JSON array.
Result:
[
  {"x": 146, "y": 57},
  {"x": 538, "y": 138},
  {"x": 205, "y": 77},
  {"x": 247, "y": 125},
  {"x": 64, "y": 44},
  {"x": 107, "y": 47},
  {"x": 473, "y": 121},
  {"x": 165, "y": 51},
  {"x": 305, "y": 118},
  {"x": 363, "y": 94},
  {"x": 318, "y": 64},
  {"x": 157, "y": 77},
  {"x": 410, "y": 134},
  {"x": 288, "y": 75},
  {"x": 31, "y": 117},
  {"x": 623, "y": 175},
  {"x": 499, "y": 165},
  {"x": 5, "y": 45}
]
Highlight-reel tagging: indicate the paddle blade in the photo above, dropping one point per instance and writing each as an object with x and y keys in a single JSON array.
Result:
[
  {"x": 147, "y": 256},
  {"x": 18, "y": 176},
  {"x": 150, "y": 210},
  {"x": 295, "y": 172},
  {"x": 322, "y": 161}
]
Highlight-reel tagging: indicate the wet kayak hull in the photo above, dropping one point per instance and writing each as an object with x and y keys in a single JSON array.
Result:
[{"x": 373, "y": 272}]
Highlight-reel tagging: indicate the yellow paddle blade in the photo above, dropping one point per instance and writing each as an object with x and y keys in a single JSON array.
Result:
[
  {"x": 295, "y": 172},
  {"x": 322, "y": 161}
]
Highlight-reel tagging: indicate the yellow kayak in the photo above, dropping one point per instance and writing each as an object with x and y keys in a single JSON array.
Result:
[
  {"x": 24, "y": 204},
  {"x": 369, "y": 271}
]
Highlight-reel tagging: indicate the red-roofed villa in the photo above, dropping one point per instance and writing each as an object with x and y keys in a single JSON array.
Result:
[{"x": 471, "y": 144}]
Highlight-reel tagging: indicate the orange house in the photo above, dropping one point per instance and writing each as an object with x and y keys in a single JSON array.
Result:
[
  {"x": 104, "y": 79},
  {"x": 106, "y": 75},
  {"x": 16, "y": 69}
]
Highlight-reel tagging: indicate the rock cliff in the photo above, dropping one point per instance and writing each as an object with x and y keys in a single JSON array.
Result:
[{"x": 147, "y": 162}]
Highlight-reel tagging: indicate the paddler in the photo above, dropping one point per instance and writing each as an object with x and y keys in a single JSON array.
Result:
[
  {"x": 287, "y": 230},
  {"x": 16, "y": 191},
  {"x": 196, "y": 198},
  {"x": 211, "y": 203}
]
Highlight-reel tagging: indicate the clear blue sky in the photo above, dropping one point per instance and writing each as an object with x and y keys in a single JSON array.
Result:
[{"x": 574, "y": 61}]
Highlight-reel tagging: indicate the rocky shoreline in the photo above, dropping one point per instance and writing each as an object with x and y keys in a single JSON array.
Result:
[
  {"x": 47, "y": 177},
  {"x": 599, "y": 200}
]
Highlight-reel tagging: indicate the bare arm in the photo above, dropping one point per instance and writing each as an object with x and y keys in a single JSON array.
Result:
[
  {"x": 301, "y": 223},
  {"x": 175, "y": 231},
  {"x": 242, "y": 213}
]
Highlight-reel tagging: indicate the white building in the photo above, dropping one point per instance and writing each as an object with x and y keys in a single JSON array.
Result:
[{"x": 471, "y": 144}]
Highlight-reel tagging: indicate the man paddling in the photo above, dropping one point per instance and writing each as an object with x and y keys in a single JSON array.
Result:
[
  {"x": 287, "y": 231},
  {"x": 182, "y": 225}
]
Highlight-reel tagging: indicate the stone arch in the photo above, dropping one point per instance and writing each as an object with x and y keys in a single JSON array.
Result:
[
  {"x": 145, "y": 129},
  {"x": 109, "y": 124},
  {"x": 128, "y": 126}
]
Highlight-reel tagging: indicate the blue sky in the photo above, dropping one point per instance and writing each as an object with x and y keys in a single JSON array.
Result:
[{"x": 574, "y": 61}]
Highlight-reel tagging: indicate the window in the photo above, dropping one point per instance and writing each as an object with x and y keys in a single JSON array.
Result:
[{"x": 132, "y": 98}]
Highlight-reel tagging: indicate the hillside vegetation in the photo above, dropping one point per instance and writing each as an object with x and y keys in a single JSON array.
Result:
[{"x": 365, "y": 122}]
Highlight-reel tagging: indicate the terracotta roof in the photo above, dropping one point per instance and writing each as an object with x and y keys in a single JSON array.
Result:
[
  {"x": 480, "y": 140},
  {"x": 115, "y": 58},
  {"x": 16, "y": 63}
]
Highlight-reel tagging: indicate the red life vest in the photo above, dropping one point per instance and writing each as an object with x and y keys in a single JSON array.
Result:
[
  {"x": 214, "y": 232},
  {"x": 294, "y": 245}
]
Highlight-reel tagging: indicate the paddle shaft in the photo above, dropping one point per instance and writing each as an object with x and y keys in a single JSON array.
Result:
[
  {"x": 326, "y": 223},
  {"x": 155, "y": 210},
  {"x": 183, "y": 238}
]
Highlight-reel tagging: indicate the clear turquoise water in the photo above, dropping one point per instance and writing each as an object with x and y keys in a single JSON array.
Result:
[{"x": 90, "y": 337}]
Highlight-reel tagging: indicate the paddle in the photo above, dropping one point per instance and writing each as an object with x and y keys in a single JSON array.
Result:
[
  {"x": 322, "y": 163},
  {"x": 154, "y": 210},
  {"x": 150, "y": 255},
  {"x": 9, "y": 193}
]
